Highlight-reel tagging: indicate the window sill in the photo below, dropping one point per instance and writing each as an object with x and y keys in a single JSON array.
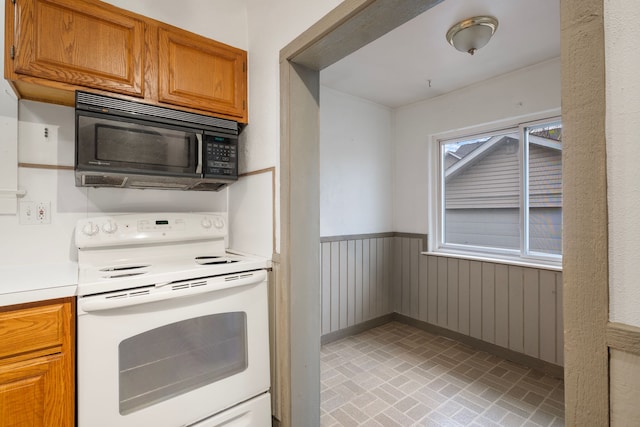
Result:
[{"x": 496, "y": 260}]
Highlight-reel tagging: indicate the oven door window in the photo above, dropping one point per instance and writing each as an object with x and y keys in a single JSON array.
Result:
[{"x": 174, "y": 359}]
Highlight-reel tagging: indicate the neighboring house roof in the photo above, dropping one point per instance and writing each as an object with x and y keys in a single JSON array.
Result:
[
  {"x": 473, "y": 154},
  {"x": 486, "y": 173},
  {"x": 467, "y": 154}
]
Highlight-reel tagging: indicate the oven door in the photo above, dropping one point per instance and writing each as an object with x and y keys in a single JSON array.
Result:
[{"x": 172, "y": 354}]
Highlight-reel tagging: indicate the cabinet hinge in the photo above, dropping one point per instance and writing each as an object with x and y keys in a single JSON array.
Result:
[
  {"x": 13, "y": 1},
  {"x": 12, "y": 52}
]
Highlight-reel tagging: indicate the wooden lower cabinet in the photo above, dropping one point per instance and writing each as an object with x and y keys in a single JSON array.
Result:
[{"x": 37, "y": 381}]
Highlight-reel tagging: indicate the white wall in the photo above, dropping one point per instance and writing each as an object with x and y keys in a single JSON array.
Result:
[
  {"x": 228, "y": 21},
  {"x": 623, "y": 152},
  {"x": 223, "y": 20},
  {"x": 356, "y": 165},
  {"x": 8, "y": 143},
  {"x": 527, "y": 91},
  {"x": 272, "y": 25}
]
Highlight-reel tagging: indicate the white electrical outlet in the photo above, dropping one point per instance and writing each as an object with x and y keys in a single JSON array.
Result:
[
  {"x": 43, "y": 212},
  {"x": 35, "y": 212}
]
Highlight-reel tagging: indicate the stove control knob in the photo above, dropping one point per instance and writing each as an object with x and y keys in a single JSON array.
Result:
[
  {"x": 206, "y": 223},
  {"x": 218, "y": 223},
  {"x": 110, "y": 227},
  {"x": 90, "y": 229}
]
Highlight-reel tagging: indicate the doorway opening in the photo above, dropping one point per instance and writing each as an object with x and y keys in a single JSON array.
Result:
[{"x": 300, "y": 85}]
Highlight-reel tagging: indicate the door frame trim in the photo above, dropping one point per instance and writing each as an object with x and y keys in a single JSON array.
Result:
[{"x": 585, "y": 247}]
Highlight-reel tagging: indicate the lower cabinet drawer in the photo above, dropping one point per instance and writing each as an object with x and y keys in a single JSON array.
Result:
[{"x": 30, "y": 329}]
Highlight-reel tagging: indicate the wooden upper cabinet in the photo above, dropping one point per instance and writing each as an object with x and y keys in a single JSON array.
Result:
[
  {"x": 55, "y": 47},
  {"x": 79, "y": 43},
  {"x": 200, "y": 73}
]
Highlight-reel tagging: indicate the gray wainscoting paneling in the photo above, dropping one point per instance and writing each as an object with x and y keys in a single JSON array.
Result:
[
  {"x": 519, "y": 308},
  {"x": 356, "y": 280},
  {"x": 366, "y": 277}
]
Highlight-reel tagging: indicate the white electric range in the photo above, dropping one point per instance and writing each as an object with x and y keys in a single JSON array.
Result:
[{"x": 172, "y": 327}]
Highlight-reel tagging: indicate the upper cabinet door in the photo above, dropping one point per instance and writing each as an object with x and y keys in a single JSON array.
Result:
[
  {"x": 200, "y": 73},
  {"x": 79, "y": 43}
]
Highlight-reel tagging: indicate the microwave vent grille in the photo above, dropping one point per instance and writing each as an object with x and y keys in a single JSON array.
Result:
[
  {"x": 103, "y": 181},
  {"x": 208, "y": 186},
  {"x": 162, "y": 185},
  {"x": 86, "y": 99}
]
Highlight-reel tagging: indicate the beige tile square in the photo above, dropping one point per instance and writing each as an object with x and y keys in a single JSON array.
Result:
[
  {"x": 411, "y": 386},
  {"x": 512, "y": 420},
  {"x": 399, "y": 380},
  {"x": 464, "y": 416},
  {"x": 533, "y": 398},
  {"x": 332, "y": 404},
  {"x": 384, "y": 396},
  {"x": 450, "y": 390},
  {"x": 327, "y": 420},
  {"x": 466, "y": 403},
  {"x": 512, "y": 408},
  {"x": 485, "y": 422},
  {"x": 495, "y": 413},
  {"x": 375, "y": 407},
  {"x": 449, "y": 408},
  {"x": 418, "y": 411},
  {"x": 518, "y": 392},
  {"x": 343, "y": 418},
  {"x": 558, "y": 422},
  {"x": 363, "y": 399},
  {"x": 354, "y": 412},
  {"x": 398, "y": 417},
  {"x": 405, "y": 404},
  {"x": 542, "y": 417},
  {"x": 371, "y": 423}
]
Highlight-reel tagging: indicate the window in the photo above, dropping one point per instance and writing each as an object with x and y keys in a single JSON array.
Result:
[{"x": 500, "y": 193}]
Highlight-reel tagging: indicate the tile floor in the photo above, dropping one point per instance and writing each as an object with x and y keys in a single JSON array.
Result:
[{"x": 398, "y": 375}]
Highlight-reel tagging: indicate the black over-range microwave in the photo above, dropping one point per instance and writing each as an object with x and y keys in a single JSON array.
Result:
[{"x": 121, "y": 143}]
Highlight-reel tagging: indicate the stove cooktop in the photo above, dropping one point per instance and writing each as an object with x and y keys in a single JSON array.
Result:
[{"x": 129, "y": 251}]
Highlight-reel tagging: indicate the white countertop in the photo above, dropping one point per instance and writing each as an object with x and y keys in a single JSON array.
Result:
[{"x": 37, "y": 282}]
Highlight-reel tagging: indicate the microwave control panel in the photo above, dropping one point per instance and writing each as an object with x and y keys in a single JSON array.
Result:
[{"x": 221, "y": 156}]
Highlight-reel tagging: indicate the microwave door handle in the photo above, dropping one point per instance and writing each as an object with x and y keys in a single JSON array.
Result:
[{"x": 199, "y": 165}]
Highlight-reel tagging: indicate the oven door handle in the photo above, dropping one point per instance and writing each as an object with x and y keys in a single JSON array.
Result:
[{"x": 165, "y": 292}]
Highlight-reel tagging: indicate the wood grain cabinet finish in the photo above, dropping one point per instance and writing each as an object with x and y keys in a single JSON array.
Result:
[
  {"x": 37, "y": 365},
  {"x": 55, "y": 47},
  {"x": 197, "y": 72},
  {"x": 79, "y": 43}
]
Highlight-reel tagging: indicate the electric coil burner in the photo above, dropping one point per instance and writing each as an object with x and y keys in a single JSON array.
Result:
[{"x": 172, "y": 326}]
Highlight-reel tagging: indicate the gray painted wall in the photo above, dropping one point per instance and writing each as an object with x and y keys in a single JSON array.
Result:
[{"x": 518, "y": 308}]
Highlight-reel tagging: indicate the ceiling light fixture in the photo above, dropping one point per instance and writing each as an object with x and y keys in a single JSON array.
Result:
[{"x": 471, "y": 34}]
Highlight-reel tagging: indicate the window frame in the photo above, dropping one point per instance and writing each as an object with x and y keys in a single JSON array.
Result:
[{"x": 523, "y": 255}]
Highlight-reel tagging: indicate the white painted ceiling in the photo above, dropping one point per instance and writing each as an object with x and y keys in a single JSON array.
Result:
[{"x": 395, "y": 69}]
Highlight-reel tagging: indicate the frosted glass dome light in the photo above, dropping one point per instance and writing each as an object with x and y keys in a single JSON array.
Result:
[{"x": 472, "y": 33}]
